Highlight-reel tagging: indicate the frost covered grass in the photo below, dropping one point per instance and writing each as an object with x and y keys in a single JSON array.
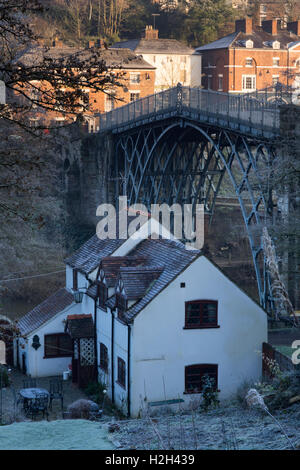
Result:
[
  {"x": 55, "y": 435},
  {"x": 229, "y": 427}
]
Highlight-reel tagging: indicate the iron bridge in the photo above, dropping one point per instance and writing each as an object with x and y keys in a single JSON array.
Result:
[{"x": 177, "y": 146}]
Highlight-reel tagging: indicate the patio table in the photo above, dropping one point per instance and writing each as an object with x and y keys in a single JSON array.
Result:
[{"x": 29, "y": 394}]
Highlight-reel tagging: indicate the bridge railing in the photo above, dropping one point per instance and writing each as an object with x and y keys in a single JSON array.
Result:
[{"x": 228, "y": 109}]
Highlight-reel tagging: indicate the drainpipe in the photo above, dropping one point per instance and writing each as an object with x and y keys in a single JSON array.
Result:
[
  {"x": 128, "y": 370},
  {"x": 112, "y": 357},
  {"x": 95, "y": 339}
]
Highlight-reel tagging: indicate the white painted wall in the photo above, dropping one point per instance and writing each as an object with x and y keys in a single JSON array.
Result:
[
  {"x": 69, "y": 277},
  {"x": 37, "y": 365},
  {"x": 196, "y": 70},
  {"x": 161, "y": 348},
  {"x": 169, "y": 69},
  {"x": 104, "y": 324}
]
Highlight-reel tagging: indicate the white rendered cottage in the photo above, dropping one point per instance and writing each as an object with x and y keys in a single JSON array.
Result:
[{"x": 163, "y": 317}]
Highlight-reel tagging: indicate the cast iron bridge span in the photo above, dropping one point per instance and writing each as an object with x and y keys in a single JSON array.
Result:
[{"x": 177, "y": 146}]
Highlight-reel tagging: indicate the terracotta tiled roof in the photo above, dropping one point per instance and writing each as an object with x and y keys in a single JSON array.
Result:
[
  {"x": 45, "y": 311},
  {"x": 80, "y": 326}
]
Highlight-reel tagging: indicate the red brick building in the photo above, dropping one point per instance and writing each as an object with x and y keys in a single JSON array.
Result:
[
  {"x": 137, "y": 78},
  {"x": 252, "y": 58}
]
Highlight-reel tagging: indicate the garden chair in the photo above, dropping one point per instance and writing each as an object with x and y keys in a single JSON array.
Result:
[
  {"x": 56, "y": 391},
  {"x": 38, "y": 405},
  {"x": 29, "y": 383}
]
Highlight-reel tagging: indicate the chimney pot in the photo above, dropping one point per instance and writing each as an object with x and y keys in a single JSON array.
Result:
[
  {"x": 294, "y": 27},
  {"x": 244, "y": 26},
  {"x": 270, "y": 26},
  {"x": 151, "y": 33}
]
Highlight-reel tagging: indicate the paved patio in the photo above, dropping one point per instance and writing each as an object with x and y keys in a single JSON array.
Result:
[{"x": 10, "y": 415}]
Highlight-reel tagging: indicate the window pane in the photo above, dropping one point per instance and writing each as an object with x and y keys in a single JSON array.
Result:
[
  {"x": 209, "y": 313},
  {"x": 194, "y": 376},
  {"x": 64, "y": 345},
  {"x": 201, "y": 313},
  {"x": 51, "y": 345}
]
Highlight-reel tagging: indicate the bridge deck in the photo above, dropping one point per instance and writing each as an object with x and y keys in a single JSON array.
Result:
[{"x": 243, "y": 113}]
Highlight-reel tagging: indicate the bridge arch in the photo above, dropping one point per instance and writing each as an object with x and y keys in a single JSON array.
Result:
[{"x": 183, "y": 161}]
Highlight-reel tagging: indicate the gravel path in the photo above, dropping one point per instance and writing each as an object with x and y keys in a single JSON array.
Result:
[{"x": 228, "y": 427}]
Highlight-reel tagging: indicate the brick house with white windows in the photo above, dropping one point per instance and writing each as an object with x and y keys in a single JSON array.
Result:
[
  {"x": 174, "y": 61},
  {"x": 136, "y": 77},
  {"x": 154, "y": 318},
  {"x": 252, "y": 58}
]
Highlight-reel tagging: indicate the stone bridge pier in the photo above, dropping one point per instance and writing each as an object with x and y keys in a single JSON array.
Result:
[
  {"x": 88, "y": 168},
  {"x": 290, "y": 206}
]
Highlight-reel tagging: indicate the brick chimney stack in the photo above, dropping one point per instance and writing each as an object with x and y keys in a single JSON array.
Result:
[
  {"x": 270, "y": 26},
  {"x": 101, "y": 43},
  {"x": 294, "y": 27},
  {"x": 151, "y": 33},
  {"x": 244, "y": 26}
]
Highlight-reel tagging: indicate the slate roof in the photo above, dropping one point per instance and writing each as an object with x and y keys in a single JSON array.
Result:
[
  {"x": 222, "y": 43},
  {"x": 111, "y": 266},
  {"x": 92, "y": 291},
  {"x": 45, "y": 311},
  {"x": 80, "y": 326},
  {"x": 261, "y": 40},
  {"x": 89, "y": 255},
  {"x": 124, "y": 58},
  {"x": 154, "y": 46},
  {"x": 172, "y": 255},
  {"x": 138, "y": 280}
]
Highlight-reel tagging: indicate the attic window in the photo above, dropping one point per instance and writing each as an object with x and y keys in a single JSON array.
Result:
[
  {"x": 249, "y": 44},
  {"x": 201, "y": 314},
  {"x": 276, "y": 45}
]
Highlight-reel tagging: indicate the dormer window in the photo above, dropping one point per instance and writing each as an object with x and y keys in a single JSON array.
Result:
[
  {"x": 249, "y": 44},
  {"x": 276, "y": 45}
]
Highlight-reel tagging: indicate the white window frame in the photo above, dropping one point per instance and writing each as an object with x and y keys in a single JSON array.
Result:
[
  {"x": 135, "y": 78},
  {"x": 209, "y": 82},
  {"x": 248, "y": 59},
  {"x": 276, "y": 61},
  {"x": 134, "y": 92},
  {"x": 253, "y": 83},
  {"x": 220, "y": 81}
]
